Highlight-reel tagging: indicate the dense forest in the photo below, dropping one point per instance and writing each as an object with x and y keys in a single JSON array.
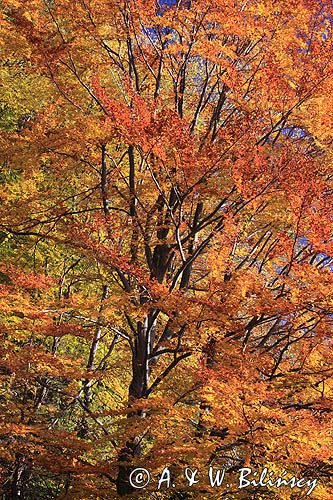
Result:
[{"x": 166, "y": 246}]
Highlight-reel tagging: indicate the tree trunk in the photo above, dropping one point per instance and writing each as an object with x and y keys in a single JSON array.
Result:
[{"x": 137, "y": 390}]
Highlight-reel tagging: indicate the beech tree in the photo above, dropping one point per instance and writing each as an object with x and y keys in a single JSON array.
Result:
[{"x": 166, "y": 245}]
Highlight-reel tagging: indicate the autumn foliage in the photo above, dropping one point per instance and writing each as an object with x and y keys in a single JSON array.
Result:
[{"x": 166, "y": 244}]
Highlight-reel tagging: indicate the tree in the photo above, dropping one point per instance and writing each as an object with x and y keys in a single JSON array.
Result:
[{"x": 166, "y": 243}]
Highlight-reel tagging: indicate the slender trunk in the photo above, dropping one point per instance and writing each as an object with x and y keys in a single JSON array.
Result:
[
  {"x": 20, "y": 476},
  {"x": 83, "y": 430},
  {"x": 187, "y": 271}
]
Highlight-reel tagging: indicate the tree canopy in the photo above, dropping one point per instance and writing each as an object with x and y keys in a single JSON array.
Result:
[{"x": 166, "y": 245}]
